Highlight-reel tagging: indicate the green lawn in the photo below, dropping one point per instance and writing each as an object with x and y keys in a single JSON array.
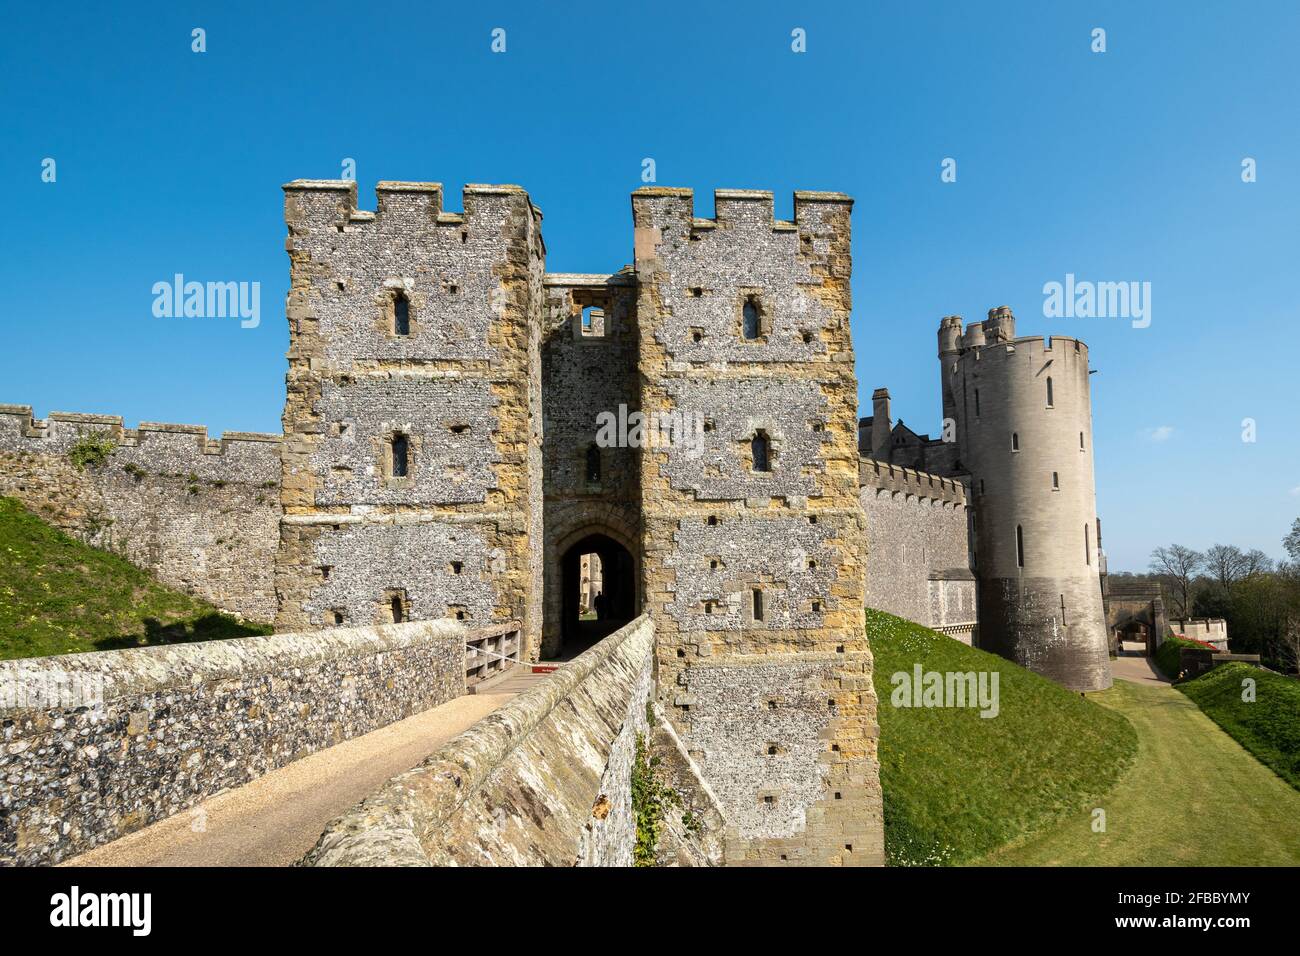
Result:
[
  {"x": 58, "y": 596},
  {"x": 1193, "y": 797},
  {"x": 1268, "y": 726},
  {"x": 957, "y": 785}
]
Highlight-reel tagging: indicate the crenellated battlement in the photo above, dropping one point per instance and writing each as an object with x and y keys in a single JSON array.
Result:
[
  {"x": 733, "y": 207},
  {"x": 895, "y": 479},
  {"x": 334, "y": 202},
  {"x": 20, "y": 430}
]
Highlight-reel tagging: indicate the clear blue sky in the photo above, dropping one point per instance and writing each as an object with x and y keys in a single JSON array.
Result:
[{"x": 1117, "y": 166}]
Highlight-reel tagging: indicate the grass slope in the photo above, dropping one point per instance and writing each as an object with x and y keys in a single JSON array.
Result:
[
  {"x": 1192, "y": 797},
  {"x": 58, "y": 596},
  {"x": 1268, "y": 726},
  {"x": 957, "y": 785}
]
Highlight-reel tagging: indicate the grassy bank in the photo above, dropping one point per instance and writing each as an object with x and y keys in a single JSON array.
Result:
[
  {"x": 1268, "y": 726},
  {"x": 957, "y": 785},
  {"x": 1192, "y": 797},
  {"x": 58, "y": 596}
]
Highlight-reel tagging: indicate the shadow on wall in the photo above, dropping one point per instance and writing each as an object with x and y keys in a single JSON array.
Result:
[{"x": 209, "y": 627}]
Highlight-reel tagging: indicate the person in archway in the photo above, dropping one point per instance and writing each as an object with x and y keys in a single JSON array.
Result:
[{"x": 599, "y": 603}]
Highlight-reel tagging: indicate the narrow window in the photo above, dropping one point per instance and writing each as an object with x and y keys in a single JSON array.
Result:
[
  {"x": 593, "y": 464},
  {"x": 1087, "y": 545},
  {"x": 977, "y": 403},
  {"x": 758, "y": 604},
  {"x": 760, "y": 448},
  {"x": 749, "y": 316},
  {"x": 1080, "y": 441},
  {"x": 399, "y": 613},
  {"x": 1020, "y": 547},
  {"x": 1056, "y": 482},
  {"x": 1049, "y": 391},
  {"x": 401, "y": 455},
  {"x": 1015, "y": 441},
  {"x": 401, "y": 314}
]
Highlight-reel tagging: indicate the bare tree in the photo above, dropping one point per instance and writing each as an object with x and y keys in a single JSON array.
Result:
[
  {"x": 1256, "y": 562},
  {"x": 1226, "y": 563},
  {"x": 1179, "y": 565}
]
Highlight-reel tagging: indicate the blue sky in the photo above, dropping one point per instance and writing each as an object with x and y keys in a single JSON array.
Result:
[{"x": 1115, "y": 166}]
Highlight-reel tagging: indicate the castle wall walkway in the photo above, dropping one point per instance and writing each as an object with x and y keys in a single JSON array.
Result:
[{"x": 275, "y": 819}]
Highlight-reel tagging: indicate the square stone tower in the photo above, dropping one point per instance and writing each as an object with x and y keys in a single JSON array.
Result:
[
  {"x": 412, "y": 444},
  {"x": 752, "y": 543}
]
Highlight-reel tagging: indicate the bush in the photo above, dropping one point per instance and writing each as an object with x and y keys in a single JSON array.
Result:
[
  {"x": 1169, "y": 655},
  {"x": 91, "y": 451}
]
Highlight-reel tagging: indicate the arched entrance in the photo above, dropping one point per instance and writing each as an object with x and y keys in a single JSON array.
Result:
[{"x": 600, "y": 601}]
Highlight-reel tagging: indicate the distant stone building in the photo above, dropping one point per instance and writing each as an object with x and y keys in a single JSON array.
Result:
[
  {"x": 1017, "y": 420},
  {"x": 1210, "y": 630}
]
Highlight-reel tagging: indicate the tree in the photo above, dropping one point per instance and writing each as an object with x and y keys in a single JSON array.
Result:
[
  {"x": 1226, "y": 563},
  {"x": 1257, "y": 562},
  {"x": 1292, "y": 541},
  {"x": 1179, "y": 566}
]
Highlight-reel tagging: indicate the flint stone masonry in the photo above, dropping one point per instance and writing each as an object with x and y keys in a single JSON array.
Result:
[
  {"x": 460, "y": 387},
  {"x": 150, "y": 732},
  {"x": 545, "y": 780},
  {"x": 765, "y": 616},
  {"x": 200, "y": 514},
  {"x": 766, "y": 732}
]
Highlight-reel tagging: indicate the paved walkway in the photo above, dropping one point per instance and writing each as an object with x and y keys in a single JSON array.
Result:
[
  {"x": 1136, "y": 668},
  {"x": 278, "y": 817}
]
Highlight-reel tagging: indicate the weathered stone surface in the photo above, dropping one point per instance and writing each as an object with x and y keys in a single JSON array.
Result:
[
  {"x": 755, "y": 577},
  {"x": 546, "y": 780},
  {"x": 96, "y": 745},
  {"x": 459, "y": 534},
  {"x": 919, "y": 549},
  {"x": 200, "y": 514}
]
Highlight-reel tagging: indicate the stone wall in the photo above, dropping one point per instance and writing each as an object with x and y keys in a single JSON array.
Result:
[
  {"x": 1210, "y": 630},
  {"x": 545, "y": 780},
  {"x": 200, "y": 514},
  {"x": 97, "y": 745},
  {"x": 919, "y": 550},
  {"x": 587, "y": 370},
  {"x": 743, "y": 562},
  {"x": 459, "y": 534}
]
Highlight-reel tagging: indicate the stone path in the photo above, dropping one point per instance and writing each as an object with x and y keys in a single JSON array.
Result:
[
  {"x": 276, "y": 818},
  {"x": 1137, "y": 669}
]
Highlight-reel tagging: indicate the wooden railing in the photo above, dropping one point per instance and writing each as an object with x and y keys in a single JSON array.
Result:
[{"x": 490, "y": 651}]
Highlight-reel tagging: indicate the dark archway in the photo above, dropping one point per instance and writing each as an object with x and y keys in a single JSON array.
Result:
[{"x": 614, "y": 600}]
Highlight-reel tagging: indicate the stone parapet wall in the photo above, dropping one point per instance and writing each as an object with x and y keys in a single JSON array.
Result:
[
  {"x": 919, "y": 546},
  {"x": 883, "y": 476},
  {"x": 545, "y": 780},
  {"x": 200, "y": 514},
  {"x": 95, "y": 746}
]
